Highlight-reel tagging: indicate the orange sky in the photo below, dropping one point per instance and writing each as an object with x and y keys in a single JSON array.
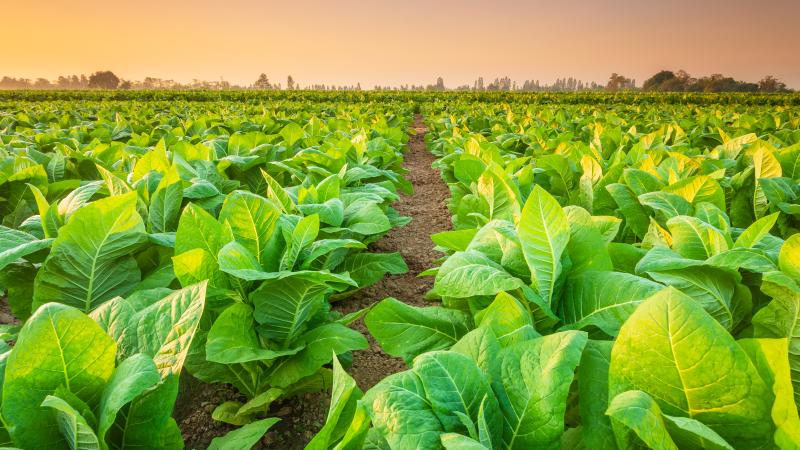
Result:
[{"x": 390, "y": 43}]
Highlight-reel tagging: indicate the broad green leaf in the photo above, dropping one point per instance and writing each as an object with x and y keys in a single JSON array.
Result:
[
  {"x": 456, "y": 240},
  {"x": 344, "y": 395},
  {"x": 407, "y": 331},
  {"x": 471, "y": 273},
  {"x": 284, "y": 306},
  {"x": 321, "y": 343},
  {"x": 789, "y": 259},
  {"x": 768, "y": 356},
  {"x": 163, "y": 329},
  {"x": 232, "y": 338},
  {"x": 401, "y": 414},
  {"x": 165, "y": 203},
  {"x": 536, "y": 377},
  {"x": 77, "y": 432},
  {"x": 147, "y": 421},
  {"x": 90, "y": 261},
  {"x": 252, "y": 220},
  {"x": 130, "y": 379},
  {"x": 603, "y": 299},
  {"x": 695, "y": 239},
  {"x": 593, "y": 396},
  {"x": 635, "y": 411},
  {"x": 16, "y": 244},
  {"x": 199, "y": 229},
  {"x": 368, "y": 268},
  {"x": 544, "y": 233},
  {"x": 683, "y": 358},
  {"x": 508, "y": 319},
  {"x": 755, "y": 232},
  {"x": 304, "y": 233},
  {"x": 455, "y": 387},
  {"x": 780, "y": 318},
  {"x": 636, "y": 218},
  {"x": 243, "y": 438},
  {"x": 57, "y": 346}
]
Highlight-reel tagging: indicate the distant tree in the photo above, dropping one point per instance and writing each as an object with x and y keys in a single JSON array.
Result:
[
  {"x": 42, "y": 83},
  {"x": 771, "y": 84},
  {"x": 125, "y": 84},
  {"x": 655, "y": 82},
  {"x": 618, "y": 82},
  {"x": 262, "y": 82},
  {"x": 290, "y": 83},
  {"x": 103, "y": 80}
]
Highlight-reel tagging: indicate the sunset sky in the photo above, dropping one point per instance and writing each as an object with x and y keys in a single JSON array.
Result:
[{"x": 391, "y": 43}]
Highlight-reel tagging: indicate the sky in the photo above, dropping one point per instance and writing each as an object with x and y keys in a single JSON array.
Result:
[{"x": 392, "y": 43}]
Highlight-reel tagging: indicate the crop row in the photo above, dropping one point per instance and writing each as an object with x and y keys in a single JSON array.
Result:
[
  {"x": 617, "y": 277},
  {"x": 140, "y": 239}
]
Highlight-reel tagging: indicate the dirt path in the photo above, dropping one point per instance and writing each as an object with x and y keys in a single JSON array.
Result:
[
  {"x": 427, "y": 207},
  {"x": 302, "y": 417}
]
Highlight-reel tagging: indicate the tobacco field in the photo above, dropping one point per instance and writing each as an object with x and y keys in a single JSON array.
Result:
[{"x": 392, "y": 270}]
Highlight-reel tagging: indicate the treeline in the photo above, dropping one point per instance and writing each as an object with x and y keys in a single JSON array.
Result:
[
  {"x": 663, "y": 81},
  {"x": 681, "y": 81}
]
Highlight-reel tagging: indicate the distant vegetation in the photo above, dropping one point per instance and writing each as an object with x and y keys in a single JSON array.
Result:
[{"x": 663, "y": 81}]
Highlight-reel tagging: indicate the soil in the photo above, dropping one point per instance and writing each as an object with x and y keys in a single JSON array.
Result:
[{"x": 303, "y": 416}]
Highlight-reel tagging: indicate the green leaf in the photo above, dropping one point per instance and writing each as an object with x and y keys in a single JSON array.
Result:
[
  {"x": 536, "y": 377},
  {"x": 637, "y": 412},
  {"x": 233, "y": 339},
  {"x": 544, "y": 233},
  {"x": 508, "y": 319},
  {"x": 132, "y": 378},
  {"x": 320, "y": 345},
  {"x": 692, "y": 238},
  {"x": 162, "y": 329},
  {"x": 635, "y": 215},
  {"x": 199, "y": 229},
  {"x": 401, "y": 414},
  {"x": 17, "y": 244},
  {"x": 455, "y": 386},
  {"x": 701, "y": 373},
  {"x": 456, "y": 240},
  {"x": 756, "y": 232},
  {"x": 593, "y": 396},
  {"x": 57, "y": 346},
  {"x": 407, "y": 331},
  {"x": 304, "y": 233},
  {"x": 768, "y": 356},
  {"x": 252, "y": 220},
  {"x": 368, "y": 268},
  {"x": 245, "y": 437},
  {"x": 781, "y": 319},
  {"x": 471, "y": 273},
  {"x": 147, "y": 421},
  {"x": 669, "y": 205},
  {"x": 73, "y": 426},
  {"x": 713, "y": 289},
  {"x": 344, "y": 396},
  {"x": 604, "y": 299},
  {"x": 284, "y": 306},
  {"x": 90, "y": 261},
  {"x": 165, "y": 203},
  {"x": 789, "y": 258}
]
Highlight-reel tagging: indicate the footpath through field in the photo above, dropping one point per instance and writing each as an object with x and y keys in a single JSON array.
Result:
[{"x": 302, "y": 417}]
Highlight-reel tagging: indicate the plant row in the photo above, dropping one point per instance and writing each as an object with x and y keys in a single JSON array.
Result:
[
  {"x": 617, "y": 277},
  {"x": 140, "y": 239}
]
